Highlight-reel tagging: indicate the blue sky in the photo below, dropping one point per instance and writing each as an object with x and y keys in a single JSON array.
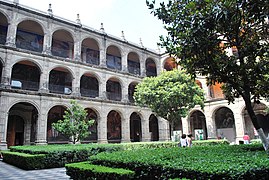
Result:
[{"x": 131, "y": 16}]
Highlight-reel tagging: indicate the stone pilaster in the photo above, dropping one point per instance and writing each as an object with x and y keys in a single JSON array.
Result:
[
  {"x": 102, "y": 129},
  {"x": 41, "y": 134}
]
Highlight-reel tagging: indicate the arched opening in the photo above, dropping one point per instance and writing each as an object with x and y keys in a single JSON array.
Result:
[
  {"x": 22, "y": 122},
  {"x": 113, "y": 90},
  {"x": 216, "y": 91},
  {"x": 131, "y": 91},
  {"x": 89, "y": 86},
  {"x": 225, "y": 125},
  {"x": 262, "y": 118},
  {"x": 93, "y": 129},
  {"x": 113, "y": 127},
  {"x": 135, "y": 128},
  {"x": 198, "y": 125},
  {"x": 177, "y": 131},
  {"x": 56, "y": 113},
  {"x": 150, "y": 68},
  {"x": 3, "y": 28},
  {"x": 153, "y": 128},
  {"x": 90, "y": 52},
  {"x": 62, "y": 44},
  {"x": 30, "y": 36},
  {"x": 170, "y": 64},
  {"x": 25, "y": 75},
  {"x": 60, "y": 81},
  {"x": 113, "y": 58},
  {"x": 133, "y": 63}
]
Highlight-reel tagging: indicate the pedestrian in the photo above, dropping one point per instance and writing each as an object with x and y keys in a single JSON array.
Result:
[
  {"x": 183, "y": 141},
  {"x": 189, "y": 140},
  {"x": 246, "y": 138}
]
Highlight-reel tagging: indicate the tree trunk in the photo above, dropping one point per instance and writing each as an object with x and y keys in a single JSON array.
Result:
[{"x": 253, "y": 118}]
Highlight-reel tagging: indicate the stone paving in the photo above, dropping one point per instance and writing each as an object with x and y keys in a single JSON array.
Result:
[{"x": 9, "y": 172}]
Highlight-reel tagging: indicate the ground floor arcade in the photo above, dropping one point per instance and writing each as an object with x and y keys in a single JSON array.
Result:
[{"x": 27, "y": 119}]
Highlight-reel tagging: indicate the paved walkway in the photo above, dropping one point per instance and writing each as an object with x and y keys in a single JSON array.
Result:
[{"x": 9, "y": 172}]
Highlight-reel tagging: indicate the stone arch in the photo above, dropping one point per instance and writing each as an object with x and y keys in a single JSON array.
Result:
[
  {"x": 54, "y": 114},
  {"x": 153, "y": 128},
  {"x": 114, "y": 128},
  {"x": 89, "y": 85},
  {"x": 30, "y": 35},
  {"x": 90, "y": 51},
  {"x": 225, "y": 124},
  {"x": 60, "y": 81},
  {"x": 198, "y": 126},
  {"x": 25, "y": 75},
  {"x": 262, "y": 118},
  {"x": 92, "y": 114},
  {"x": 3, "y": 27},
  {"x": 114, "y": 89},
  {"x": 135, "y": 127},
  {"x": 113, "y": 57},
  {"x": 151, "y": 68},
  {"x": 62, "y": 44},
  {"x": 169, "y": 64},
  {"x": 22, "y": 124},
  {"x": 133, "y": 63}
]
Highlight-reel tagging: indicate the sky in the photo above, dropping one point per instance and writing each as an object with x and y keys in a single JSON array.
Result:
[{"x": 131, "y": 16}]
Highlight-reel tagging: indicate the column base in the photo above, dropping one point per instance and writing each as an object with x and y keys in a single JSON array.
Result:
[
  {"x": 3, "y": 146},
  {"x": 41, "y": 143}
]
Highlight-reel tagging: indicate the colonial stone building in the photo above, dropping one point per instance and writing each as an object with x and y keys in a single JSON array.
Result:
[{"x": 45, "y": 61}]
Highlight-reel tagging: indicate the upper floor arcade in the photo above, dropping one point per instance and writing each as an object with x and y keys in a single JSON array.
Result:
[{"x": 45, "y": 35}]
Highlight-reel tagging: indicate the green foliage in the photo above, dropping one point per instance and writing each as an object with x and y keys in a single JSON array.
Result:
[
  {"x": 201, "y": 32},
  {"x": 198, "y": 162},
  {"x": 170, "y": 95},
  {"x": 85, "y": 170},
  {"x": 23, "y": 160},
  {"x": 75, "y": 124}
]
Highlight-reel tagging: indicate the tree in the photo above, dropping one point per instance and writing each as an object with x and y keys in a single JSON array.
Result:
[
  {"x": 75, "y": 124},
  {"x": 201, "y": 32},
  {"x": 170, "y": 95}
]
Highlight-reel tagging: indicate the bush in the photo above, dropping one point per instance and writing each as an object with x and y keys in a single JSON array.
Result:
[
  {"x": 207, "y": 162},
  {"x": 24, "y": 161},
  {"x": 85, "y": 171}
]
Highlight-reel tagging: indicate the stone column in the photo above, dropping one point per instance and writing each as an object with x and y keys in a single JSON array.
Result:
[
  {"x": 210, "y": 124},
  {"x": 11, "y": 32},
  {"x": 102, "y": 87},
  {"x": 44, "y": 79},
  {"x": 47, "y": 43},
  {"x": 3, "y": 122},
  {"x": 103, "y": 52},
  {"x": 239, "y": 123},
  {"x": 164, "y": 134},
  {"x": 125, "y": 128},
  {"x": 124, "y": 91},
  {"x": 142, "y": 65},
  {"x": 124, "y": 61},
  {"x": 146, "y": 136},
  {"x": 158, "y": 66},
  {"x": 77, "y": 46},
  {"x": 102, "y": 129},
  {"x": 185, "y": 125},
  {"x": 76, "y": 83},
  {"x": 27, "y": 130},
  {"x": 7, "y": 71},
  {"x": 41, "y": 134}
]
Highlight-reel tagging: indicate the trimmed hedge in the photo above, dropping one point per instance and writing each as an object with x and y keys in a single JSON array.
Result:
[
  {"x": 86, "y": 171},
  {"x": 208, "y": 162},
  {"x": 23, "y": 160}
]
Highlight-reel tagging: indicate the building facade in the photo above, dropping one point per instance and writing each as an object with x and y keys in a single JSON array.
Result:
[{"x": 45, "y": 61}]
